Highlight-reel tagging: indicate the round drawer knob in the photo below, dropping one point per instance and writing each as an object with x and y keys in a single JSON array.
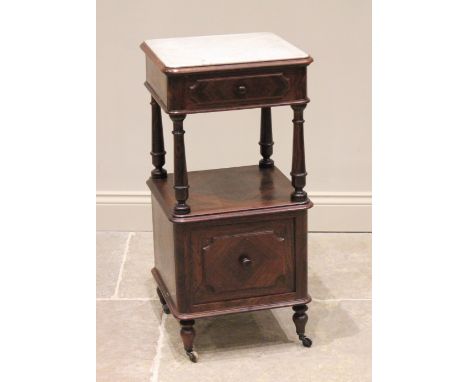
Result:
[
  {"x": 245, "y": 261},
  {"x": 241, "y": 90}
]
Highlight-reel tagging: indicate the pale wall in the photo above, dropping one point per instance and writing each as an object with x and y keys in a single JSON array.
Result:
[{"x": 336, "y": 33}]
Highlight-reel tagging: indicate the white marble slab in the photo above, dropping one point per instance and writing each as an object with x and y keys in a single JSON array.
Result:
[{"x": 223, "y": 49}]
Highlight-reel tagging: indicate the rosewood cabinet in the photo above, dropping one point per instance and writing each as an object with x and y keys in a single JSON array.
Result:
[{"x": 234, "y": 239}]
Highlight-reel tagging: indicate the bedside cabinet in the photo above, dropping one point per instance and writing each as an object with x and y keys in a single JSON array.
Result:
[{"x": 235, "y": 239}]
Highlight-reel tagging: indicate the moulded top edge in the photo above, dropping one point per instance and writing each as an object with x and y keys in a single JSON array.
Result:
[{"x": 179, "y": 55}]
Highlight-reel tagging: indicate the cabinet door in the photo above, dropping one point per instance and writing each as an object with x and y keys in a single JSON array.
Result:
[{"x": 241, "y": 261}]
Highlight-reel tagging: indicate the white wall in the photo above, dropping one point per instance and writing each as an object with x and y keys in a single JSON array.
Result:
[{"x": 336, "y": 33}]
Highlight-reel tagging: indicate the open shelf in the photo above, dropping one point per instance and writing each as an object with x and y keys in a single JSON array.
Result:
[{"x": 228, "y": 190}]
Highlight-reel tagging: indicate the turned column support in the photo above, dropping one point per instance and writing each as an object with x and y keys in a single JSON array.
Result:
[
  {"x": 298, "y": 172},
  {"x": 266, "y": 139},
  {"x": 300, "y": 320},
  {"x": 181, "y": 186},
  {"x": 187, "y": 332},
  {"x": 158, "y": 154}
]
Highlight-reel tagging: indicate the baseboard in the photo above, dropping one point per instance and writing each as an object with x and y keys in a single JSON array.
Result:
[
  {"x": 341, "y": 212},
  {"x": 332, "y": 211}
]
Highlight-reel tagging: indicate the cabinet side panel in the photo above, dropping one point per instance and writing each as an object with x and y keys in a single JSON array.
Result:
[
  {"x": 163, "y": 238},
  {"x": 157, "y": 80},
  {"x": 301, "y": 254}
]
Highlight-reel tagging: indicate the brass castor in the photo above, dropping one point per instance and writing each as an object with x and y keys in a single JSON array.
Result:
[
  {"x": 193, "y": 356},
  {"x": 306, "y": 341}
]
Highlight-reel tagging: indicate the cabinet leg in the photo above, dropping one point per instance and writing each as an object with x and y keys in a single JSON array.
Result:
[
  {"x": 181, "y": 186},
  {"x": 158, "y": 153},
  {"x": 266, "y": 139},
  {"x": 187, "y": 332},
  {"x": 300, "y": 320},
  {"x": 163, "y": 301},
  {"x": 298, "y": 172}
]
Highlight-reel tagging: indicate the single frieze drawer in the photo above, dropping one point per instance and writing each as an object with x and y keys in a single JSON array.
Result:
[{"x": 221, "y": 90}]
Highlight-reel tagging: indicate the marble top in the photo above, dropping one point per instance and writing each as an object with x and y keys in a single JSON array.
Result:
[{"x": 223, "y": 49}]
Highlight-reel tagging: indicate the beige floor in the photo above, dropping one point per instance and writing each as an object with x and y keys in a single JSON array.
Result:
[{"x": 136, "y": 342}]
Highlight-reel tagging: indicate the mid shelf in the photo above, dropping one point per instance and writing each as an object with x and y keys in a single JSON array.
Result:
[{"x": 247, "y": 189}]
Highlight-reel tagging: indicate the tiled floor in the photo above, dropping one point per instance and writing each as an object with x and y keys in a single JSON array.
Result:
[{"x": 137, "y": 342}]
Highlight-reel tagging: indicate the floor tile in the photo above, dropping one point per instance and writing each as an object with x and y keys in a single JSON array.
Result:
[
  {"x": 137, "y": 281},
  {"x": 256, "y": 346},
  {"x": 340, "y": 265},
  {"x": 126, "y": 335},
  {"x": 110, "y": 248},
  {"x": 263, "y": 346}
]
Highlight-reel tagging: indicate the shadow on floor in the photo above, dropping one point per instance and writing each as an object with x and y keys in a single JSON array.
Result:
[{"x": 327, "y": 323}]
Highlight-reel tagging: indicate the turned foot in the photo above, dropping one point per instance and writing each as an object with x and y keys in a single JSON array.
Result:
[
  {"x": 300, "y": 320},
  {"x": 163, "y": 301},
  {"x": 187, "y": 332}
]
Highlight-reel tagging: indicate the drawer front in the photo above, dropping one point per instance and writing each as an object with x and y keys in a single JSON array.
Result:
[
  {"x": 212, "y": 91},
  {"x": 232, "y": 262},
  {"x": 236, "y": 89}
]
